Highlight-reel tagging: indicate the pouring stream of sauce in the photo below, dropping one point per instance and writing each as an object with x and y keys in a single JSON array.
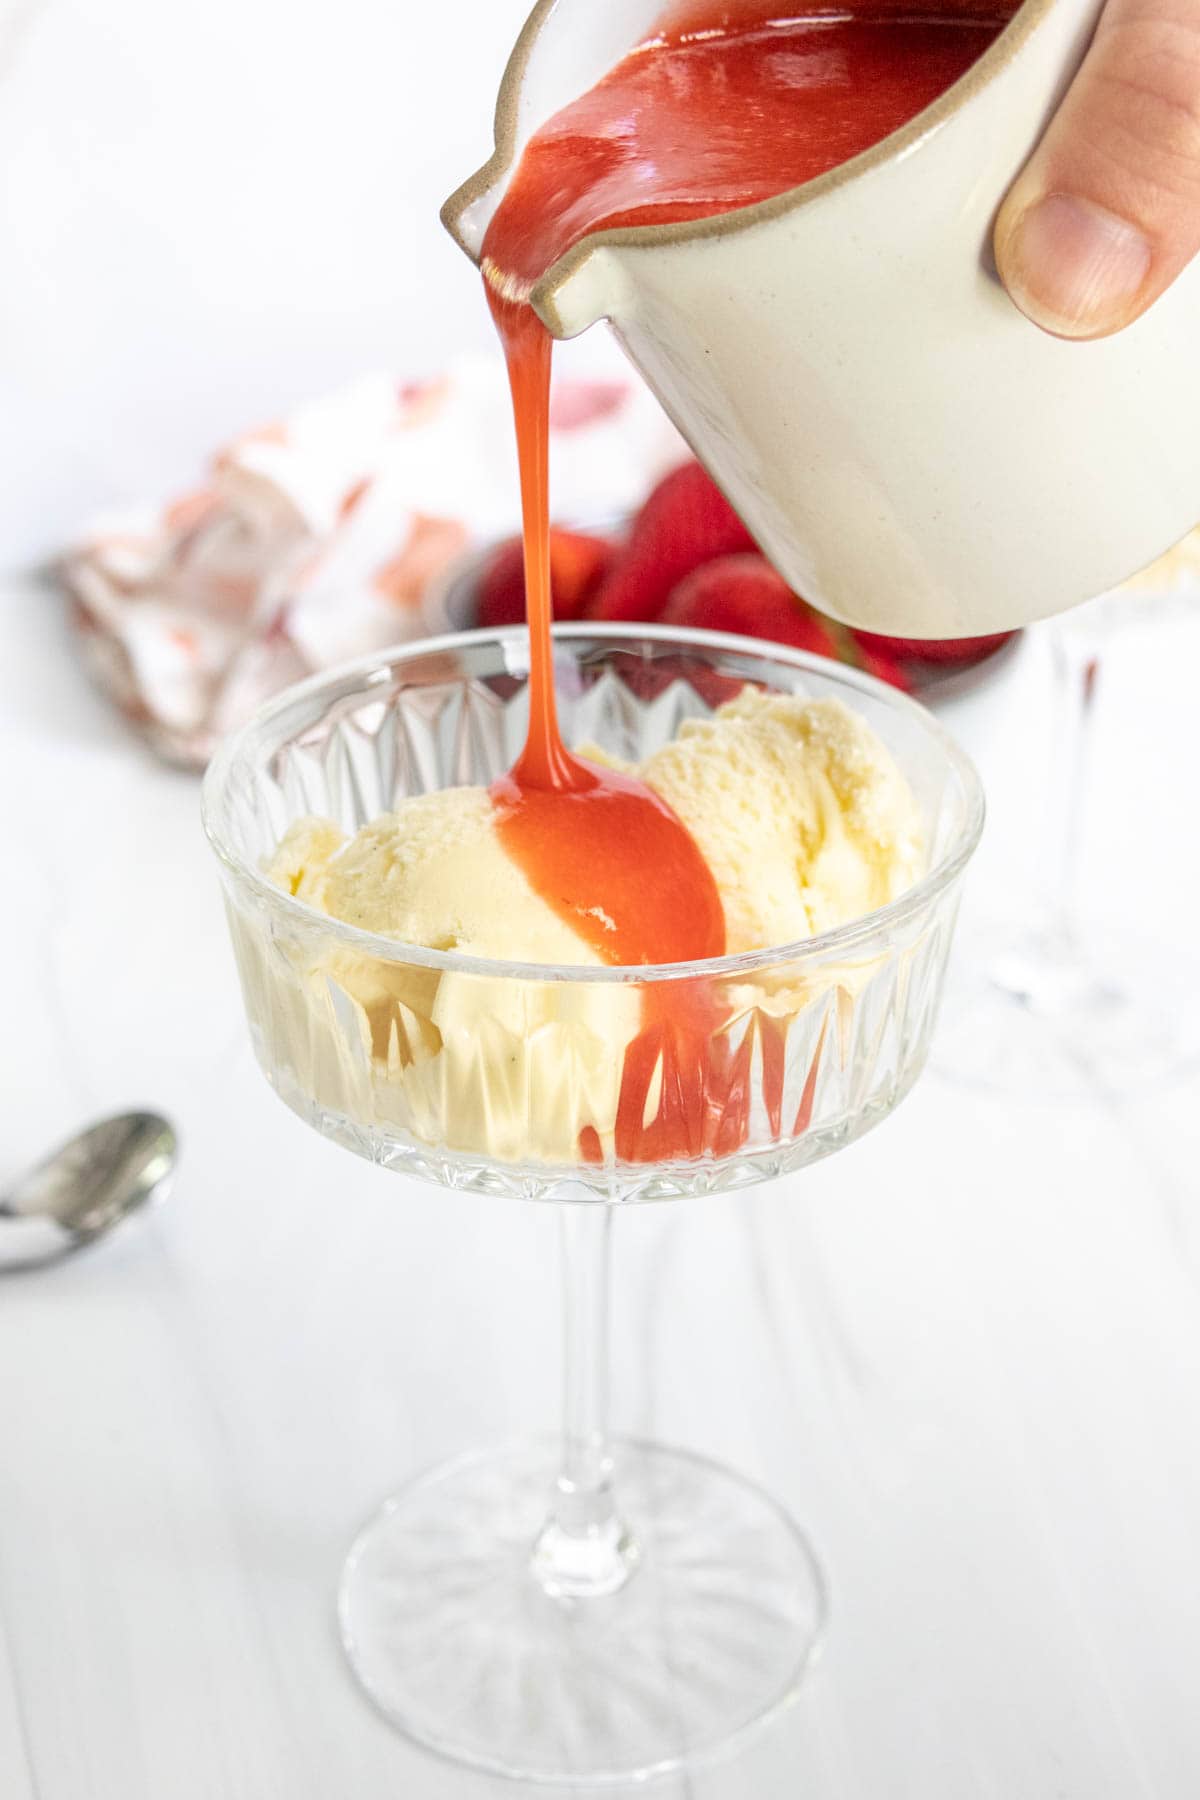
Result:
[{"x": 720, "y": 109}]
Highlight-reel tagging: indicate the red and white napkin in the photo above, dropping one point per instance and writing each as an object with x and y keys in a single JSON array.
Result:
[{"x": 317, "y": 539}]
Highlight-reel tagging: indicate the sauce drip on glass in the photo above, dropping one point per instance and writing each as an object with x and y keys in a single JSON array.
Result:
[{"x": 724, "y": 107}]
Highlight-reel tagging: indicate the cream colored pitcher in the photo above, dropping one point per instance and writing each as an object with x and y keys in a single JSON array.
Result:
[{"x": 913, "y": 454}]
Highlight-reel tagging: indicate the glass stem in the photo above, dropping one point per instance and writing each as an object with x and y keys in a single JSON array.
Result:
[
  {"x": 1076, "y": 681},
  {"x": 584, "y": 1549}
]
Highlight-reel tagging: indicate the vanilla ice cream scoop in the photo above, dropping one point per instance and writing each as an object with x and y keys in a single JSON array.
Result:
[
  {"x": 797, "y": 807},
  {"x": 433, "y": 873},
  {"x": 467, "y": 1060},
  {"x": 799, "y": 811}
]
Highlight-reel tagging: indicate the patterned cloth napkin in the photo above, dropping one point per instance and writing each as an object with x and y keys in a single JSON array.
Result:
[{"x": 317, "y": 539}]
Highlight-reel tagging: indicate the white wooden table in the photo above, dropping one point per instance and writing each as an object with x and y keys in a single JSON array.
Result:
[{"x": 966, "y": 1354}]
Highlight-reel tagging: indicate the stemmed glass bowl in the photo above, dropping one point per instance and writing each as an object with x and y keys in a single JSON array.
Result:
[{"x": 591, "y": 1610}]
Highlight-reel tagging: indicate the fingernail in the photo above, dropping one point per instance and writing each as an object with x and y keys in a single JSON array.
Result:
[{"x": 1072, "y": 267}]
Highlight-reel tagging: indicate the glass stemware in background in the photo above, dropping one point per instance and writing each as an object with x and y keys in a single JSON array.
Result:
[
  {"x": 595, "y": 1610},
  {"x": 1070, "y": 1002}
]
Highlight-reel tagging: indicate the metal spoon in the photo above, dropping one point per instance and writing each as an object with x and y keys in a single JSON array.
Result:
[{"x": 85, "y": 1188}]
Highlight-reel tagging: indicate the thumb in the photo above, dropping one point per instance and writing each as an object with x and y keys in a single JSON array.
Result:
[{"x": 1107, "y": 211}]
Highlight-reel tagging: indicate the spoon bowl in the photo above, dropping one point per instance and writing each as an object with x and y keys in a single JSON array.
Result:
[{"x": 84, "y": 1188}]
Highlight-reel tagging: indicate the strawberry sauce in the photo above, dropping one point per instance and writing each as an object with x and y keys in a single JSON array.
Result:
[
  {"x": 691, "y": 125},
  {"x": 601, "y": 848},
  {"x": 725, "y": 106}
]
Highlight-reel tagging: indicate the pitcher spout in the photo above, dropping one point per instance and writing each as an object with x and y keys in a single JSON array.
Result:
[
  {"x": 561, "y": 52},
  {"x": 576, "y": 293},
  {"x": 468, "y": 212}
]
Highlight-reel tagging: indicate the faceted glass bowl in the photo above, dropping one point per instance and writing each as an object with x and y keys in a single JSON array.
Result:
[
  {"x": 481, "y": 1074},
  {"x": 618, "y": 1609}
]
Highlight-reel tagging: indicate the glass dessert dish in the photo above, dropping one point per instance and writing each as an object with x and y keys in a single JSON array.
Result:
[
  {"x": 593, "y": 1610},
  {"x": 1054, "y": 1008}
]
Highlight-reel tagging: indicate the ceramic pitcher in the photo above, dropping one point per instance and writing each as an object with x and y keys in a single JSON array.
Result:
[{"x": 910, "y": 451}]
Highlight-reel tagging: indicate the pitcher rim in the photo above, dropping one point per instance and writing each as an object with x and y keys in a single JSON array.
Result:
[{"x": 998, "y": 55}]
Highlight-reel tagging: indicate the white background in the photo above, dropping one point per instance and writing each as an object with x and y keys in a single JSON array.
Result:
[
  {"x": 210, "y": 209},
  {"x": 966, "y": 1354}
]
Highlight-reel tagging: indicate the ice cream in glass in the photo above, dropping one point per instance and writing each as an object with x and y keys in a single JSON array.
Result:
[
  {"x": 588, "y": 1609},
  {"x": 802, "y": 821}
]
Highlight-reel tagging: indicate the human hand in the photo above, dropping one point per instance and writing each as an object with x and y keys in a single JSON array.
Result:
[{"x": 1106, "y": 213}]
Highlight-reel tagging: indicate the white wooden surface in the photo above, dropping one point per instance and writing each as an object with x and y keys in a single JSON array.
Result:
[{"x": 967, "y": 1353}]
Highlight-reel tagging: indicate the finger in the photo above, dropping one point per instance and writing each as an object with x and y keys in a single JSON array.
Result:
[{"x": 1107, "y": 211}]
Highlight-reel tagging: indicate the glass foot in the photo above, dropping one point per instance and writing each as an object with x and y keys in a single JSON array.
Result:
[
  {"x": 1059, "y": 1020},
  {"x": 459, "y": 1646}
]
